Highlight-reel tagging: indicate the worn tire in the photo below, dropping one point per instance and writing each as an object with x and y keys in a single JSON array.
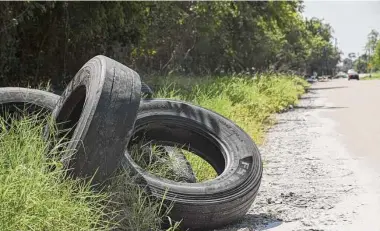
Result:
[
  {"x": 102, "y": 100},
  {"x": 146, "y": 91},
  {"x": 218, "y": 140},
  {"x": 19, "y": 95}
]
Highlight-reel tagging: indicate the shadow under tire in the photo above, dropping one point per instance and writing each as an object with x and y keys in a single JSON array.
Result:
[
  {"x": 219, "y": 141},
  {"x": 100, "y": 105}
]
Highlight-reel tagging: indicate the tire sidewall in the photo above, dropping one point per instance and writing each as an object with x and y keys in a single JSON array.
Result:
[{"x": 243, "y": 168}]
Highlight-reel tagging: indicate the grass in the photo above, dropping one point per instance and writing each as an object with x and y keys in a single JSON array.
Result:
[
  {"x": 375, "y": 75},
  {"x": 37, "y": 194}
]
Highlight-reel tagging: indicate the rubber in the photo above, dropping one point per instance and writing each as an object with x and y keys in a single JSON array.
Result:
[
  {"x": 11, "y": 98},
  {"x": 231, "y": 152},
  {"x": 100, "y": 103},
  {"x": 146, "y": 91}
]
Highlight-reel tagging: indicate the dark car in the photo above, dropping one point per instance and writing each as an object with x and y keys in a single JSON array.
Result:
[{"x": 352, "y": 75}]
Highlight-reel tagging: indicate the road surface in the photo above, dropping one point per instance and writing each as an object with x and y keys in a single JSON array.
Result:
[
  {"x": 320, "y": 163},
  {"x": 355, "y": 107}
]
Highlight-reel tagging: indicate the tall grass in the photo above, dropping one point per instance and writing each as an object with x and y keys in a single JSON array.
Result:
[{"x": 36, "y": 192}]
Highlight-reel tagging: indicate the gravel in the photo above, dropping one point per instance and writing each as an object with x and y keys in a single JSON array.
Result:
[{"x": 310, "y": 180}]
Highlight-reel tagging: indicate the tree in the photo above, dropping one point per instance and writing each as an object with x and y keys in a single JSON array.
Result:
[
  {"x": 360, "y": 64},
  {"x": 372, "y": 40},
  {"x": 376, "y": 56},
  {"x": 347, "y": 64},
  {"x": 43, "y": 41}
]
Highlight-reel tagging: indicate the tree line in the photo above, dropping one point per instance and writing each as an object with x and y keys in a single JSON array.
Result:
[
  {"x": 43, "y": 41},
  {"x": 369, "y": 60}
]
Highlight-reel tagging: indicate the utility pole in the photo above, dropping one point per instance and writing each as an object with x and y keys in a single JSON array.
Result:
[
  {"x": 336, "y": 50},
  {"x": 370, "y": 64}
]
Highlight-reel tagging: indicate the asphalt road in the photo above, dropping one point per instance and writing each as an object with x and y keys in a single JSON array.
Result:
[{"x": 355, "y": 107}]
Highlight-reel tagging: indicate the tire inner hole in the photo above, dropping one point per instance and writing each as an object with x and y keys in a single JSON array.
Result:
[
  {"x": 69, "y": 115},
  {"x": 203, "y": 154}
]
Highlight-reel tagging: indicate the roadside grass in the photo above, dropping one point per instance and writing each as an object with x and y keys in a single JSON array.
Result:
[
  {"x": 247, "y": 101},
  {"x": 375, "y": 75},
  {"x": 34, "y": 192},
  {"x": 37, "y": 194}
]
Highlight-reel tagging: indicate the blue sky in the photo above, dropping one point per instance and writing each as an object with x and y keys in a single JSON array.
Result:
[{"x": 351, "y": 20}]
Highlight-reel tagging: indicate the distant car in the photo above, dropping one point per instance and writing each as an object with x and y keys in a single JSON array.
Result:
[
  {"x": 311, "y": 79},
  {"x": 341, "y": 74},
  {"x": 352, "y": 75}
]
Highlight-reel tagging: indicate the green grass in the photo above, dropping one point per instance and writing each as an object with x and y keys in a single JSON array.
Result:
[
  {"x": 37, "y": 194},
  {"x": 249, "y": 102},
  {"x": 202, "y": 169},
  {"x": 375, "y": 75},
  {"x": 33, "y": 196}
]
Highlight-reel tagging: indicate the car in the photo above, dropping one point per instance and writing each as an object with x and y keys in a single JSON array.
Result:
[
  {"x": 352, "y": 74},
  {"x": 341, "y": 74}
]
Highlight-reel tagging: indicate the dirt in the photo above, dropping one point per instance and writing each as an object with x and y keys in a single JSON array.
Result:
[{"x": 314, "y": 177}]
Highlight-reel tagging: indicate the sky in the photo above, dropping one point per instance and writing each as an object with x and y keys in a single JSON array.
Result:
[{"x": 351, "y": 20}]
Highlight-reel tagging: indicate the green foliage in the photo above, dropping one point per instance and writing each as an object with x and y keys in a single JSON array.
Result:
[
  {"x": 52, "y": 40},
  {"x": 202, "y": 169},
  {"x": 373, "y": 76},
  {"x": 34, "y": 194},
  {"x": 376, "y": 56},
  {"x": 37, "y": 194},
  {"x": 135, "y": 209},
  {"x": 247, "y": 101}
]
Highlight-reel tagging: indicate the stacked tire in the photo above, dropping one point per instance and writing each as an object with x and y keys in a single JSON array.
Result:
[{"x": 108, "y": 109}]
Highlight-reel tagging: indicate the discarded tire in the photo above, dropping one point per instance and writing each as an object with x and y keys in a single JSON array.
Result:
[
  {"x": 100, "y": 104},
  {"x": 13, "y": 98},
  {"x": 219, "y": 141}
]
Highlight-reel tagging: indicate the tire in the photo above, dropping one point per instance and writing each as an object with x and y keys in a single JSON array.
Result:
[
  {"x": 146, "y": 91},
  {"x": 30, "y": 101},
  {"x": 13, "y": 96},
  {"x": 219, "y": 141},
  {"x": 102, "y": 101}
]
